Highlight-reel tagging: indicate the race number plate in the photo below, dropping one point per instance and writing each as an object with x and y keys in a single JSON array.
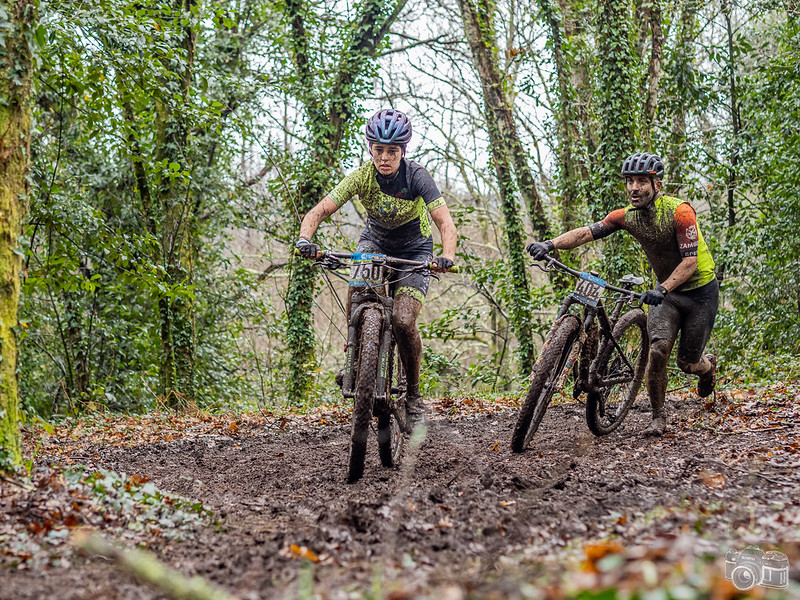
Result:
[
  {"x": 589, "y": 289},
  {"x": 366, "y": 274}
]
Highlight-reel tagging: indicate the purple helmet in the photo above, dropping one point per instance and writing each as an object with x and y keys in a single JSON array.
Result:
[{"x": 388, "y": 126}]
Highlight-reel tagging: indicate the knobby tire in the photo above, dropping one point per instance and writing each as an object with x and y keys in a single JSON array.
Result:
[
  {"x": 392, "y": 420},
  {"x": 548, "y": 368},
  {"x": 368, "y": 356},
  {"x": 606, "y": 408}
]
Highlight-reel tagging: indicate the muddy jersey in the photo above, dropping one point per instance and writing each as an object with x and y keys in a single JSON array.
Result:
[
  {"x": 668, "y": 232},
  {"x": 397, "y": 207}
]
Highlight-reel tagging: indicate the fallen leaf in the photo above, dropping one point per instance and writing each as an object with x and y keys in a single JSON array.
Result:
[
  {"x": 712, "y": 480},
  {"x": 303, "y": 552}
]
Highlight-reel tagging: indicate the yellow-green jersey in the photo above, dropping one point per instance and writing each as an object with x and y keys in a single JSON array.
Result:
[
  {"x": 668, "y": 232},
  {"x": 397, "y": 206}
]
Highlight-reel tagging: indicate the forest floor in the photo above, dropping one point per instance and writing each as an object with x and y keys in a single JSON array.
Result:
[{"x": 461, "y": 517}]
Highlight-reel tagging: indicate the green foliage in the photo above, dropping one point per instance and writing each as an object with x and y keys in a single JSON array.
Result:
[
  {"x": 328, "y": 122},
  {"x": 762, "y": 252},
  {"x": 142, "y": 503},
  {"x": 131, "y": 187}
]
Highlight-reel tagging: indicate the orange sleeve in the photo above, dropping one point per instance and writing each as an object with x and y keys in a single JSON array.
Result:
[
  {"x": 614, "y": 221},
  {"x": 686, "y": 231}
]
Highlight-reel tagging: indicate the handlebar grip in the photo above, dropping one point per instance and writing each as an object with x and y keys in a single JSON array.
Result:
[
  {"x": 320, "y": 254},
  {"x": 453, "y": 269}
]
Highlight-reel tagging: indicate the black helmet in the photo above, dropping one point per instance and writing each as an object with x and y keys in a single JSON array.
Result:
[
  {"x": 643, "y": 163},
  {"x": 388, "y": 126}
]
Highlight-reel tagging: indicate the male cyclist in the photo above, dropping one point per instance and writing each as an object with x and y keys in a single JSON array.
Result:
[
  {"x": 398, "y": 194},
  {"x": 686, "y": 297}
]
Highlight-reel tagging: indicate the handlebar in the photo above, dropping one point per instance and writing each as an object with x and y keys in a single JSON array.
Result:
[
  {"x": 551, "y": 262},
  {"x": 377, "y": 258}
]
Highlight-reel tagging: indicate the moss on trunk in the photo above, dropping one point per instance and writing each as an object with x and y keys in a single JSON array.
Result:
[{"x": 15, "y": 123}]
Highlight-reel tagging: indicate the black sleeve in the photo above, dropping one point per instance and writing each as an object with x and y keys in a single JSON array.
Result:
[{"x": 420, "y": 183}]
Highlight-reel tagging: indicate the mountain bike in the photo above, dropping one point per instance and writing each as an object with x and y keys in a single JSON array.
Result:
[
  {"x": 606, "y": 354},
  {"x": 373, "y": 374}
]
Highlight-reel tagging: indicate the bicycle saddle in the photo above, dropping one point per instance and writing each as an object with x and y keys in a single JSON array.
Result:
[{"x": 631, "y": 280}]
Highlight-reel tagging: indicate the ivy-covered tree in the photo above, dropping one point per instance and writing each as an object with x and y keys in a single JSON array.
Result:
[
  {"x": 20, "y": 32},
  {"x": 511, "y": 169}
]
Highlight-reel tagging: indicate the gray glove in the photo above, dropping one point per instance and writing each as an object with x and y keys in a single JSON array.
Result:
[
  {"x": 306, "y": 248},
  {"x": 443, "y": 263},
  {"x": 656, "y": 296}
]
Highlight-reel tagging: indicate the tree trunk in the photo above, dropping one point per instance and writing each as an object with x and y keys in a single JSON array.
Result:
[
  {"x": 653, "y": 9},
  {"x": 683, "y": 70},
  {"x": 16, "y": 72},
  {"x": 567, "y": 134},
  {"x": 733, "y": 175},
  {"x": 176, "y": 205},
  {"x": 735, "y": 124},
  {"x": 506, "y": 153},
  {"x": 618, "y": 110}
]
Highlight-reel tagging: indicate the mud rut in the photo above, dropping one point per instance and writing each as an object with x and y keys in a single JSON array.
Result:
[{"x": 447, "y": 514}]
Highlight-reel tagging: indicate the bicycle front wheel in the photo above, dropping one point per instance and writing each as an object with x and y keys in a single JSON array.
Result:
[
  {"x": 619, "y": 378},
  {"x": 544, "y": 379},
  {"x": 392, "y": 419},
  {"x": 368, "y": 354}
]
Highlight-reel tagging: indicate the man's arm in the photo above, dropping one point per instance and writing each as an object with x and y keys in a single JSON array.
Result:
[
  {"x": 573, "y": 239},
  {"x": 324, "y": 209},
  {"x": 444, "y": 222},
  {"x": 681, "y": 274}
]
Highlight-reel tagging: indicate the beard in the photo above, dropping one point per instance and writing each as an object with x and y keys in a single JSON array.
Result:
[{"x": 641, "y": 199}]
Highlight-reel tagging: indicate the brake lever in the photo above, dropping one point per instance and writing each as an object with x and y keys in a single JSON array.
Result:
[
  {"x": 330, "y": 262},
  {"x": 548, "y": 264}
]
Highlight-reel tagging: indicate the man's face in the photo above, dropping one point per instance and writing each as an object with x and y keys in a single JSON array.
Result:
[
  {"x": 641, "y": 190},
  {"x": 386, "y": 158}
]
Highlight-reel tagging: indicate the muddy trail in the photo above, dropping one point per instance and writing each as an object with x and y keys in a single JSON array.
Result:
[{"x": 461, "y": 508}]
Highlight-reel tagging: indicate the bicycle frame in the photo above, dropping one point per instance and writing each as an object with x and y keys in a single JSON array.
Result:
[
  {"x": 371, "y": 294},
  {"x": 588, "y": 380},
  {"x": 605, "y": 372}
]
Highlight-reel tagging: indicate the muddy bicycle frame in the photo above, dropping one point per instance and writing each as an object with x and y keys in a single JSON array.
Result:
[
  {"x": 588, "y": 293},
  {"x": 594, "y": 340},
  {"x": 368, "y": 369}
]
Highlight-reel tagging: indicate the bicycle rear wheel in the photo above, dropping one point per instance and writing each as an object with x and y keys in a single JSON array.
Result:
[
  {"x": 368, "y": 354},
  {"x": 607, "y": 406},
  {"x": 546, "y": 372}
]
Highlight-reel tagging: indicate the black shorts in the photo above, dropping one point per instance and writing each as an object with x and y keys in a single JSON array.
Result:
[
  {"x": 692, "y": 313},
  {"x": 408, "y": 284}
]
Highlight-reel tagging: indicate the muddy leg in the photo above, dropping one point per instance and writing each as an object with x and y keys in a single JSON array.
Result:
[
  {"x": 657, "y": 385},
  {"x": 706, "y": 369},
  {"x": 409, "y": 348}
]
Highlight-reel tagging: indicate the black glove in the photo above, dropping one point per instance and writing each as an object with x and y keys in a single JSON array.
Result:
[
  {"x": 306, "y": 248},
  {"x": 538, "y": 250},
  {"x": 443, "y": 263},
  {"x": 656, "y": 296}
]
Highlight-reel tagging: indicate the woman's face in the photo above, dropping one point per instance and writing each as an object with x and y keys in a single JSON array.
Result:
[{"x": 386, "y": 158}]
